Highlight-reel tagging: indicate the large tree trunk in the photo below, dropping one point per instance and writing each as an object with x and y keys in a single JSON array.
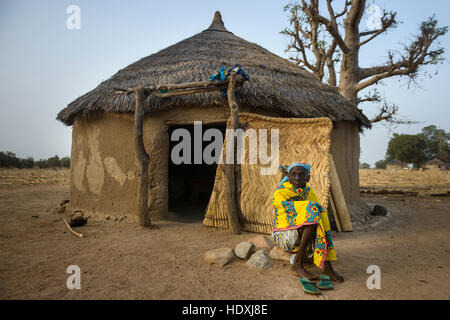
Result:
[{"x": 349, "y": 78}]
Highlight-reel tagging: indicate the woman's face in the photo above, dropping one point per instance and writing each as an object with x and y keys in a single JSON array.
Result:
[{"x": 298, "y": 176}]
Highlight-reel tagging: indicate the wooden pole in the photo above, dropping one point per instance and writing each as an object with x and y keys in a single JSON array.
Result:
[
  {"x": 339, "y": 200},
  {"x": 184, "y": 88},
  {"x": 335, "y": 215},
  {"x": 142, "y": 159},
  {"x": 231, "y": 200}
]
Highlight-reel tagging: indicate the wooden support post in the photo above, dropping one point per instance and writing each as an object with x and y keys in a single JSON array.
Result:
[
  {"x": 335, "y": 214},
  {"x": 142, "y": 159},
  {"x": 339, "y": 200},
  {"x": 230, "y": 170}
]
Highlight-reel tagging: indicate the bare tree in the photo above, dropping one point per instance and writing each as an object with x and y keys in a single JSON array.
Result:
[{"x": 322, "y": 42}]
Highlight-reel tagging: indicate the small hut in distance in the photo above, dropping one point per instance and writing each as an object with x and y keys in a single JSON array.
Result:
[{"x": 435, "y": 164}]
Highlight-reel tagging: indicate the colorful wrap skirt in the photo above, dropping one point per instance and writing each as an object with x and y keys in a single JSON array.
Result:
[{"x": 297, "y": 207}]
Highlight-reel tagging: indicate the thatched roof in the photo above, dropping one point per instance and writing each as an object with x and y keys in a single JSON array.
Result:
[
  {"x": 435, "y": 162},
  {"x": 275, "y": 83}
]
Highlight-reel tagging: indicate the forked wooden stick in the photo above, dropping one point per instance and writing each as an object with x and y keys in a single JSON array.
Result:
[{"x": 79, "y": 235}]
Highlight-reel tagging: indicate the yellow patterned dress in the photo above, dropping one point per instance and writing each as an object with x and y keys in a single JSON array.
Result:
[{"x": 294, "y": 208}]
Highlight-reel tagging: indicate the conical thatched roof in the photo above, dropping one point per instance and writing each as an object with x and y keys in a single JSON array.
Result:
[
  {"x": 275, "y": 83},
  {"x": 435, "y": 162}
]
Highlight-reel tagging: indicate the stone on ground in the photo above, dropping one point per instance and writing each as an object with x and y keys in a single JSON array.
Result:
[
  {"x": 278, "y": 254},
  {"x": 379, "y": 210},
  {"x": 259, "y": 260},
  {"x": 220, "y": 256},
  {"x": 244, "y": 249}
]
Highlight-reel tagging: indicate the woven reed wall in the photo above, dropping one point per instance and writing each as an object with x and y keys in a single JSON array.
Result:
[{"x": 300, "y": 140}]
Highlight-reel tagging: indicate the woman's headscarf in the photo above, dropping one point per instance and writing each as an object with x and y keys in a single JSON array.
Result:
[{"x": 285, "y": 170}]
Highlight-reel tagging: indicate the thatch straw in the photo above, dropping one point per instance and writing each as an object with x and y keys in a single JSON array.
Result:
[
  {"x": 275, "y": 84},
  {"x": 304, "y": 140}
]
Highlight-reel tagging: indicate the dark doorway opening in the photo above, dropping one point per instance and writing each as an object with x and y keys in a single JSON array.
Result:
[{"x": 190, "y": 185}]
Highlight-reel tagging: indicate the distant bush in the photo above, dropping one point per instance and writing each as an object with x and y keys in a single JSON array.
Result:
[
  {"x": 65, "y": 162},
  {"x": 381, "y": 164},
  {"x": 9, "y": 160},
  {"x": 41, "y": 164},
  {"x": 28, "y": 162},
  {"x": 54, "y": 162},
  {"x": 364, "y": 165}
]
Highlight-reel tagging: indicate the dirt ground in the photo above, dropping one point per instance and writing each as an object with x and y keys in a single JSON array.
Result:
[{"x": 119, "y": 260}]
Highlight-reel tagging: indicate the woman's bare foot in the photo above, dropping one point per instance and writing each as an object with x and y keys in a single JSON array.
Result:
[
  {"x": 301, "y": 272},
  {"x": 329, "y": 271}
]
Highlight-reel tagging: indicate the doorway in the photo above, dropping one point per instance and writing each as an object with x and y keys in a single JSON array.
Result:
[{"x": 190, "y": 185}]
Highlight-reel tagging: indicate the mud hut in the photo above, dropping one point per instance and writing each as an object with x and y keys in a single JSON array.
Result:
[
  {"x": 103, "y": 168},
  {"x": 435, "y": 164}
]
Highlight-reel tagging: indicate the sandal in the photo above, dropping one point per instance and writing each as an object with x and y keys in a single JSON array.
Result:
[
  {"x": 309, "y": 287},
  {"x": 325, "y": 282}
]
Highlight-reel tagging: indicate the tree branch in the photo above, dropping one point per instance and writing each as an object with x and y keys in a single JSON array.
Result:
[
  {"x": 371, "y": 97},
  {"x": 415, "y": 55},
  {"x": 312, "y": 12},
  {"x": 387, "y": 21},
  {"x": 377, "y": 78},
  {"x": 385, "y": 113},
  {"x": 355, "y": 14}
]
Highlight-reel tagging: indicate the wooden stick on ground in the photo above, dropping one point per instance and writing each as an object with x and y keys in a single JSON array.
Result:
[{"x": 79, "y": 235}]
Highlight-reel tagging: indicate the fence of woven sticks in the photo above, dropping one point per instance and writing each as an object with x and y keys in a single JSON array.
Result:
[{"x": 300, "y": 140}]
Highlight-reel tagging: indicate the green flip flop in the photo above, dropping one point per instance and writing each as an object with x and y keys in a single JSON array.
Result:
[
  {"x": 309, "y": 287},
  {"x": 325, "y": 282}
]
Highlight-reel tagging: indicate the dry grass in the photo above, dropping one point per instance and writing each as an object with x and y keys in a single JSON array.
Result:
[
  {"x": 423, "y": 182},
  {"x": 34, "y": 176}
]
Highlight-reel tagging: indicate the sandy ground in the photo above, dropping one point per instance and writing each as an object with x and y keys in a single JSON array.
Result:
[{"x": 123, "y": 261}]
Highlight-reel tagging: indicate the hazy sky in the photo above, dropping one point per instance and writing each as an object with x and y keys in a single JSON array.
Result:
[{"x": 45, "y": 66}]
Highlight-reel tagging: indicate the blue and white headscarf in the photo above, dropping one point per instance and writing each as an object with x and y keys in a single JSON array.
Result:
[{"x": 307, "y": 166}]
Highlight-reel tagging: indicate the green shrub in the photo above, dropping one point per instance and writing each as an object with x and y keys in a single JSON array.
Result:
[
  {"x": 28, "y": 162},
  {"x": 9, "y": 159},
  {"x": 65, "y": 162}
]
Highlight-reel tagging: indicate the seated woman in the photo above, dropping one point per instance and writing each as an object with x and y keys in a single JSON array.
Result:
[{"x": 298, "y": 217}]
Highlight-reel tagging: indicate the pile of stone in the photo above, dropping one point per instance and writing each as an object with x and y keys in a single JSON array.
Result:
[{"x": 259, "y": 252}]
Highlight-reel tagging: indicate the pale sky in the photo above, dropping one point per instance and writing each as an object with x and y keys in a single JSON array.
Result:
[{"x": 45, "y": 66}]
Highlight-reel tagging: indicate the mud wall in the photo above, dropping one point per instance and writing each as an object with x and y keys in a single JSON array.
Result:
[
  {"x": 345, "y": 150},
  {"x": 103, "y": 167}
]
